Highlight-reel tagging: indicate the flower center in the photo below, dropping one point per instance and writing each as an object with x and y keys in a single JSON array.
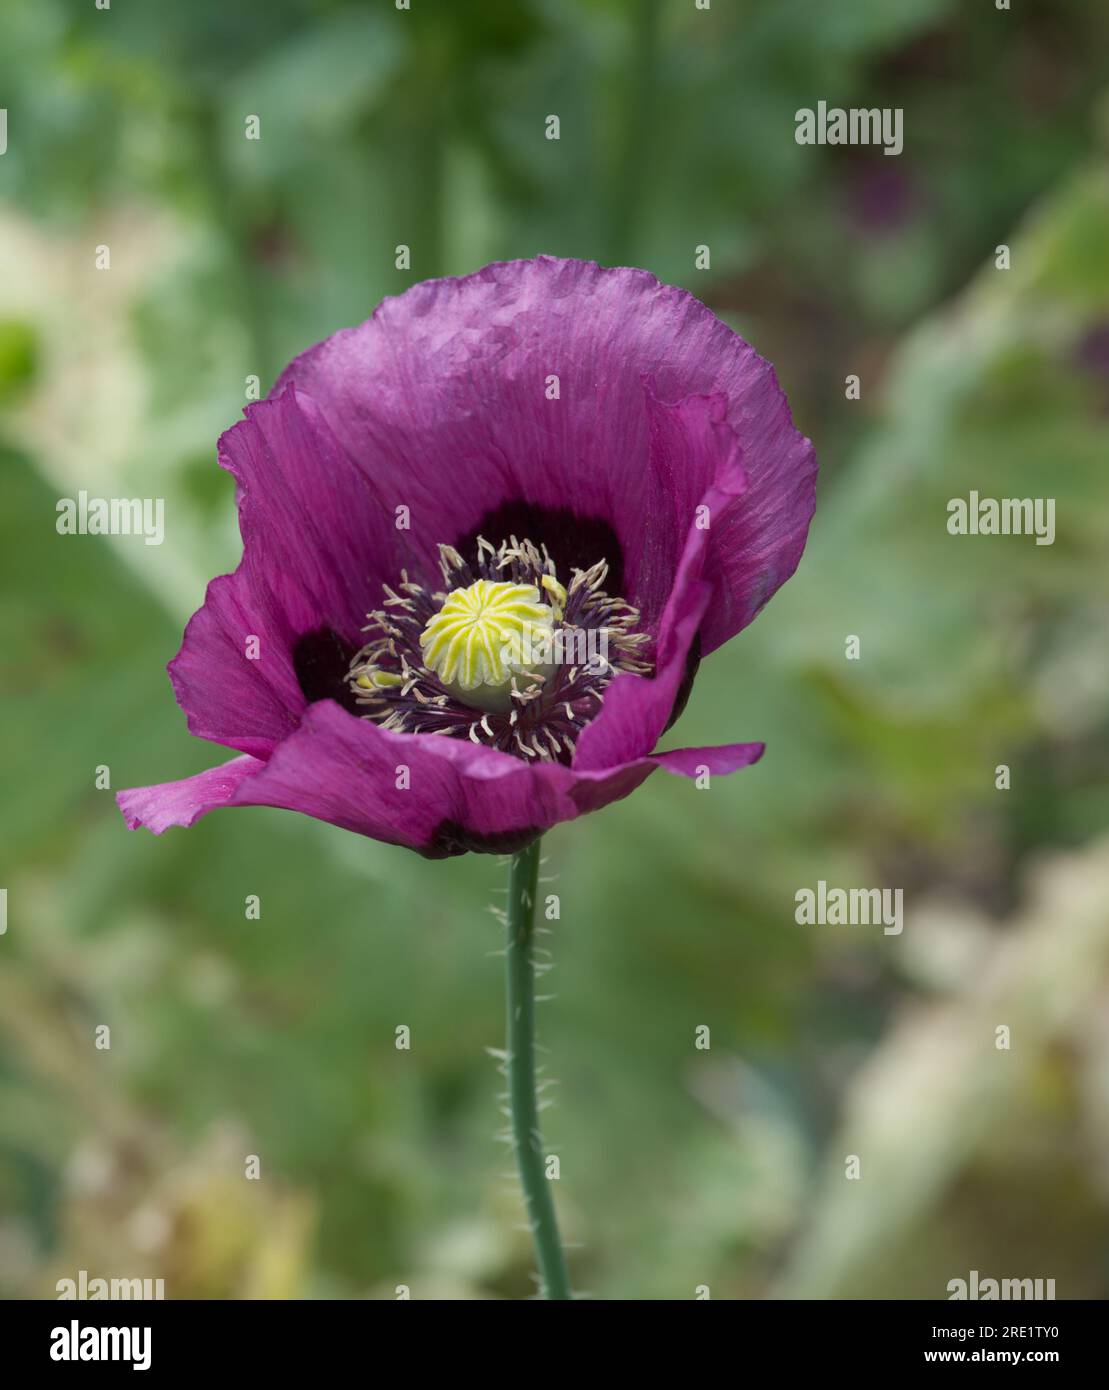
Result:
[
  {"x": 486, "y": 638},
  {"x": 505, "y": 654}
]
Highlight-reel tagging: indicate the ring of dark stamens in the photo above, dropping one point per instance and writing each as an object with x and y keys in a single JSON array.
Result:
[{"x": 546, "y": 716}]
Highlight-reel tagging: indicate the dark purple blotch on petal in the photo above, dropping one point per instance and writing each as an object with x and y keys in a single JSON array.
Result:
[
  {"x": 321, "y": 661},
  {"x": 572, "y": 541},
  {"x": 692, "y": 666}
]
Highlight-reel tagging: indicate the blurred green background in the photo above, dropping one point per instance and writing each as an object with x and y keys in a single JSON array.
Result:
[{"x": 275, "y": 1037}]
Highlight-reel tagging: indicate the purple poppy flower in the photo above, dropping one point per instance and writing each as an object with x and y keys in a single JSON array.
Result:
[{"x": 487, "y": 537}]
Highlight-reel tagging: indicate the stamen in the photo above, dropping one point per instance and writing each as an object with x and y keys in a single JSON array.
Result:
[{"x": 557, "y": 593}]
